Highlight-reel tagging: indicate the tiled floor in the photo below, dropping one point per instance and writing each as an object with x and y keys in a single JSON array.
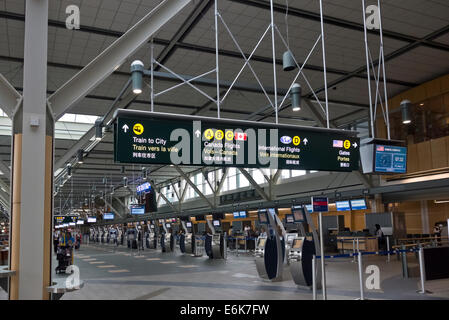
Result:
[{"x": 154, "y": 275}]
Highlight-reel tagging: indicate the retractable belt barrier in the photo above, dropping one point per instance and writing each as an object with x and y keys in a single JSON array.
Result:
[{"x": 367, "y": 253}]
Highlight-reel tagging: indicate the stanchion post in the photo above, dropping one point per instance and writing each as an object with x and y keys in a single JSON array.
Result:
[
  {"x": 323, "y": 271},
  {"x": 422, "y": 271},
  {"x": 314, "y": 277},
  {"x": 359, "y": 258},
  {"x": 404, "y": 262},
  {"x": 353, "y": 249},
  {"x": 388, "y": 249}
]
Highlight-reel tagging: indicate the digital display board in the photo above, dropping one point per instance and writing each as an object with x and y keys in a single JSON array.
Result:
[
  {"x": 343, "y": 205},
  {"x": 157, "y": 138},
  {"x": 242, "y": 214},
  {"x": 137, "y": 209},
  {"x": 390, "y": 159},
  {"x": 80, "y": 222},
  {"x": 91, "y": 219},
  {"x": 236, "y": 214},
  {"x": 359, "y": 204},
  {"x": 108, "y": 216},
  {"x": 216, "y": 223},
  {"x": 309, "y": 207},
  {"x": 189, "y": 224}
]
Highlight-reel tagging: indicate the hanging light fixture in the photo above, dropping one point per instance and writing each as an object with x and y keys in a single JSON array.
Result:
[
  {"x": 406, "y": 106},
  {"x": 288, "y": 62},
  {"x": 125, "y": 181},
  {"x": 69, "y": 170},
  {"x": 80, "y": 156},
  {"x": 136, "y": 76},
  {"x": 296, "y": 97}
]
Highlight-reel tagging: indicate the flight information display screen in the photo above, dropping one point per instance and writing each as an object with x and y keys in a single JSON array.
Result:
[
  {"x": 359, "y": 204},
  {"x": 390, "y": 159},
  {"x": 343, "y": 206},
  {"x": 108, "y": 216},
  {"x": 138, "y": 209},
  {"x": 216, "y": 223}
]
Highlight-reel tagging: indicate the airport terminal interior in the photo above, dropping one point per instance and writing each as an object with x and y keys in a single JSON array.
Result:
[{"x": 224, "y": 150}]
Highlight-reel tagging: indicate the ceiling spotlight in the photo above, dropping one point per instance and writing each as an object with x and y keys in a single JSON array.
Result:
[
  {"x": 288, "y": 62},
  {"x": 99, "y": 129},
  {"x": 296, "y": 97},
  {"x": 136, "y": 76},
  {"x": 80, "y": 156},
  {"x": 406, "y": 105}
]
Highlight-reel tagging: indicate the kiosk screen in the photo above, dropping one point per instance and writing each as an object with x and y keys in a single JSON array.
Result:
[
  {"x": 298, "y": 215},
  {"x": 216, "y": 223},
  {"x": 168, "y": 225},
  {"x": 289, "y": 218},
  {"x": 263, "y": 219},
  {"x": 297, "y": 244},
  {"x": 189, "y": 224}
]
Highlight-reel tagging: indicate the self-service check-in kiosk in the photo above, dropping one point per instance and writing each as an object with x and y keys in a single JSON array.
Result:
[
  {"x": 269, "y": 252},
  {"x": 301, "y": 251},
  {"x": 131, "y": 234},
  {"x": 167, "y": 239},
  {"x": 218, "y": 241},
  {"x": 187, "y": 240},
  {"x": 151, "y": 240}
]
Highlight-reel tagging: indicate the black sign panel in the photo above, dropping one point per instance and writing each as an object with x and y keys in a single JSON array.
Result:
[{"x": 157, "y": 138}]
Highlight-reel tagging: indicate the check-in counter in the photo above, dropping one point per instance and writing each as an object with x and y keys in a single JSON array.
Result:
[{"x": 368, "y": 244}]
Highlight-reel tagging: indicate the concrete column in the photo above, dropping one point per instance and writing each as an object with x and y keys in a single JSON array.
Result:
[
  {"x": 32, "y": 167},
  {"x": 425, "y": 217}
]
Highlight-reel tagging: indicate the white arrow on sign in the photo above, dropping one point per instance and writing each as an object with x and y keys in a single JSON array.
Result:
[
  {"x": 306, "y": 141},
  {"x": 198, "y": 133},
  {"x": 355, "y": 145},
  {"x": 125, "y": 128}
]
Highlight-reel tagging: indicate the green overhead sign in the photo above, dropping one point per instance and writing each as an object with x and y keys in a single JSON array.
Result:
[{"x": 157, "y": 138}]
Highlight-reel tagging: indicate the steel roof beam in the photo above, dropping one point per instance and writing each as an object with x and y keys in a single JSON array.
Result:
[
  {"x": 9, "y": 97},
  {"x": 113, "y": 57}
]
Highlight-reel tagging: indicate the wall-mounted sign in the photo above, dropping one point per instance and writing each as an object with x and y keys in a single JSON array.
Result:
[
  {"x": 359, "y": 204},
  {"x": 200, "y": 141},
  {"x": 343, "y": 205},
  {"x": 320, "y": 204}
]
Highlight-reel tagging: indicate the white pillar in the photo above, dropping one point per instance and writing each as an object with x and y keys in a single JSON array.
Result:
[
  {"x": 32, "y": 166},
  {"x": 425, "y": 217}
]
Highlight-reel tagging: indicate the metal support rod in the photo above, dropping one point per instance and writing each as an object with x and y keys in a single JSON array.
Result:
[
  {"x": 368, "y": 72},
  {"x": 323, "y": 271},
  {"x": 273, "y": 47},
  {"x": 324, "y": 63},
  {"x": 384, "y": 72},
  {"x": 359, "y": 259},
  {"x": 216, "y": 59},
  {"x": 314, "y": 277},
  {"x": 152, "y": 75}
]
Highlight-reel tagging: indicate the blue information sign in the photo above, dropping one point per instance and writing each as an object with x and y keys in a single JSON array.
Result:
[
  {"x": 145, "y": 187},
  {"x": 390, "y": 159}
]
